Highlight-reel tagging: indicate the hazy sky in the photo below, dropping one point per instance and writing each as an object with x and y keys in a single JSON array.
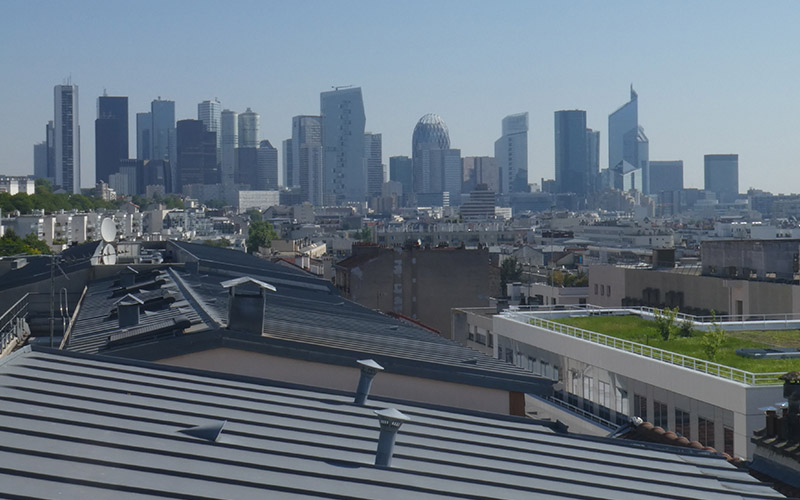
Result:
[{"x": 712, "y": 76}]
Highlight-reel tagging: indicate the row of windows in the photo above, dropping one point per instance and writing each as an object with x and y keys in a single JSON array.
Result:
[{"x": 603, "y": 289}]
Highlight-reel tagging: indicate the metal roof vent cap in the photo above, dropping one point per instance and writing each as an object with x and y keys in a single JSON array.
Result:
[
  {"x": 127, "y": 277},
  {"x": 369, "y": 368},
  {"x": 128, "y": 311},
  {"x": 246, "y": 300},
  {"x": 390, "y": 419}
]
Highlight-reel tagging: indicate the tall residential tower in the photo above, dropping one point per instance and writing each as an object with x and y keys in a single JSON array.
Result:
[
  {"x": 67, "y": 138},
  {"x": 343, "y": 122}
]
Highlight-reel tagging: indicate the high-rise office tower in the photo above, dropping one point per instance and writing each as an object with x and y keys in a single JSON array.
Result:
[
  {"x": 248, "y": 129},
  {"x": 401, "y": 170},
  {"x": 144, "y": 136},
  {"x": 722, "y": 176},
  {"x": 666, "y": 176},
  {"x": 50, "y": 138},
  {"x": 480, "y": 170},
  {"x": 593, "y": 155},
  {"x": 197, "y": 154},
  {"x": 67, "y": 138},
  {"x": 343, "y": 121},
  {"x": 208, "y": 112},
  {"x": 229, "y": 132},
  {"x": 511, "y": 153},
  {"x": 627, "y": 141},
  {"x": 164, "y": 137},
  {"x": 373, "y": 155},
  {"x": 111, "y": 136},
  {"x": 573, "y": 172},
  {"x": 430, "y": 133},
  {"x": 287, "y": 164},
  {"x": 40, "y": 160},
  {"x": 267, "y": 177},
  {"x": 306, "y": 158}
]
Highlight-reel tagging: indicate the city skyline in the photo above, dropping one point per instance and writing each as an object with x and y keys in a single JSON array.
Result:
[{"x": 702, "y": 88}]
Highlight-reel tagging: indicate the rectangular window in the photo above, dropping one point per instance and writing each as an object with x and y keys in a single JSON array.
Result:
[
  {"x": 640, "y": 407},
  {"x": 705, "y": 431},
  {"x": 728, "y": 440},
  {"x": 545, "y": 369},
  {"x": 556, "y": 373},
  {"x": 509, "y": 355},
  {"x": 595, "y": 288},
  {"x": 588, "y": 394},
  {"x": 604, "y": 393},
  {"x": 531, "y": 364},
  {"x": 622, "y": 404},
  {"x": 608, "y": 290},
  {"x": 602, "y": 290},
  {"x": 682, "y": 423},
  {"x": 660, "y": 415}
]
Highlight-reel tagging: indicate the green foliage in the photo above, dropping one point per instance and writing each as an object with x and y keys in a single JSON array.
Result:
[
  {"x": 49, "y": 202},
  {"x": 172, "y": 201},
  {"x": 665, "y": 321},
  {"x": 574, "y": 280},
  {"x": 364, "y": 235},
  {"x": 222, "y": 243},
  {"x": 214, "y": 204},
  {"x": 260, "y": 234},
  {"x": 12, "y": 244},
  {"x": 713, "y": 338},
  {"x": 686, "y": 328},
  {"x": 510, "y": 271},
  {"x": 43, "y": 185},
  {"x": 255, "y": 215}
]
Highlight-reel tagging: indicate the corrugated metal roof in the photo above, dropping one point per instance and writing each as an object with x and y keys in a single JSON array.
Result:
[{"x": 77, "y": 426}]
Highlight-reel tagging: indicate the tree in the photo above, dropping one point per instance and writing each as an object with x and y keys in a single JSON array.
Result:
[
  {"x": 364, "y": 235},
  {"x": 510, "y": 271},
  {"x": 12, "y": 244},
  {"x": 260, "y": 234},
  {"x": 713, "y": 338},
  {"x": 254, "y": 214},
  {"x": 665, "y": 321}
]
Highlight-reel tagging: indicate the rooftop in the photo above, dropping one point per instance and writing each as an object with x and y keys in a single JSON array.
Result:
[{"x": 84, "y": 426}]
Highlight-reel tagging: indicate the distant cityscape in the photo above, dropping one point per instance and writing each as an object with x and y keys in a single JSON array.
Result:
[{"x": 331, "y": 159}]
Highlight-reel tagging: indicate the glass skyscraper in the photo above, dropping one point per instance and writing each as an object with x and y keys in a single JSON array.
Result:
[
  {"x": 573, "y": 171},
  {"x": 722, "y": 176},
  {"x": 627, "y": 141},
  {"x": 343, "y": 122},
  {"x": 67, "y": 138},
  {"x": 511, "y": 154},
  {"x": 111, "y": 136}
]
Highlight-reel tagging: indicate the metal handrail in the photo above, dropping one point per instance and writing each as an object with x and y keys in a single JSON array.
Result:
[
  {"x": 696, "y": 364},
  {"x": 9, "y": 321}
]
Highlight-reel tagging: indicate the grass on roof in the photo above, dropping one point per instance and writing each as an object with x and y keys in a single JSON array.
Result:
[{"x": 643, "y": 331}]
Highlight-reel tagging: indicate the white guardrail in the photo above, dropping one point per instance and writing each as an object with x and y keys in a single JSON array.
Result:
[{"x": 700, "y": 365}]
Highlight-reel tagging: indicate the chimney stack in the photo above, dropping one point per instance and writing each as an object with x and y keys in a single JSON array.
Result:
[
  {"x": 246, "y": 300},
  {"x": 390, "y": 419},
  {"x": 127, "y": 277},
  {"x": 791, "y": 391},
  {"x": 128, "y": 311},
  {"x": 368, "y": 370}
]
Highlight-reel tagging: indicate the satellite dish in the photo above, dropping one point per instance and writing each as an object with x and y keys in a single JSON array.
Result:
[
  {"x": 108, "y": 230},
  {"x": 109, "y": 254}
]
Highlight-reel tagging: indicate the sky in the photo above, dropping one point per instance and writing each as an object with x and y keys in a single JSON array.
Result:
[{"x": 712, "y": 76}]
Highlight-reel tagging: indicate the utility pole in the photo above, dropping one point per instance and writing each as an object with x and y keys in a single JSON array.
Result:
[{"x": 52, "y": 294}]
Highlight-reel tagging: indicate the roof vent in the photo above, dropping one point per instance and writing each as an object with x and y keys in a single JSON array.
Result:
[
  {"x": 390, "y": 419},
  {"x": 209, "y": 432},
  {"x": 368, "y": 370},
  {"x": 791, "y": 391},
  {"x": 246, "y": 300},
  {"x": 128, "y": 311},
  {"x": 128, "y": 277}
]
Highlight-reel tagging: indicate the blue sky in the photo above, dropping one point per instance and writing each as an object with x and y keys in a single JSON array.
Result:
[{"x": 712, "y": 76}]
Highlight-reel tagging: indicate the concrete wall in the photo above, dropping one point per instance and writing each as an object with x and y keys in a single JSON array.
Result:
[
  {"x": 344, "y": 378},
  {"x": 740, "y": 258}
]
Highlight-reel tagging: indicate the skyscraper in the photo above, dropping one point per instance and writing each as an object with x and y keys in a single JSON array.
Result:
[
  {"x": 248, "y": 129},
  {"x": 229, "y": 132},
  {"x": 480, "y": 170},
  {"x": 627, "y": 141},
  {"x": 40, "y": 160},
  {"x": 511, "y": 153},
  {"x": 573, "y": 172},
  {"x": 343, "y": 122},
  {"x": 50, "y": 138},
  {"x": 666, "y": 176},
  {"x": 67, "y": 138},
  {"x": 401, "y": 170},
  {"x": 144, "y": 136},
  {"x": 164, "y": 137},
  {"x": 593, "y": 155},
  {"x": 208, "y": 112},
  {"x": 306, "y": 156},
  {"x": 288, "y": 161},
  {"x": 430, "y": 133},
  {"x": 111, "y": 136},
  {"x": 197, "y": 154},
  {"x": 373, "y": 155},
  {"x": 722, "y": 176},
  {"x": 267, "y": 177}
]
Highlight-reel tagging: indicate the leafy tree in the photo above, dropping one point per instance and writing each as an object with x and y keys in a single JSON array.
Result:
[
  {"x": 43, "y": 185},
  {"x": 364, "y": 235},
  {"x": 254, "y": 214},
  {"x": 686, "y": 328},
  {"x": 510, "y": 271},
  {"x": 173, "y": 202},
  {"x": 665, "y": 321},
  {"x": 260, "y": 234},
  {"x": 222, "y": 243},
  {"x": 713, "y": 338},
  {"x": 12, "y": 244}
]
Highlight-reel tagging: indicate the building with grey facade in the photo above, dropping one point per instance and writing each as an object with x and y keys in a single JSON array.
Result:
[
  {"x": 721, "y": 176},
  {"x": 480, "y": 170},
  {"x": 111, "y": 136},
  {"x": 209, "y": 112},
  {"x": 373, "y": 156},
  {"x": 248, "y": 129},
  {"x": 511, "y": 153},
  {"x": 229, "y": 141},
  {"x": 144, "y": 136},
  {"x": 401, "y": 169},
  {"x": 67, "y": 138},
  {"x": 197, "y": 154},
  {"x": 627, "y": 140},
  {"x": 267, "y": 176},
  {"x": 164, "y": 136},
  {"x": 343, "y": 121},
  {"x": 573, "y": 171},
  {"x": 666, "y": 176},
  {"x": 306, "y": 158}
]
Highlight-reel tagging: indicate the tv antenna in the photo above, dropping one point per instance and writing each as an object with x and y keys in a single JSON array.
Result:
[{"x": 340, "y": 87}]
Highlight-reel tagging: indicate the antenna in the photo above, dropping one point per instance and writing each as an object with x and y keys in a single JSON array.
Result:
[{"x": 340, "y": 87}]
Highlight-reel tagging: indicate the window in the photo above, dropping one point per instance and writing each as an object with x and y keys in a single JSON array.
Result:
[
  {"x": 622, "y": 404},
  {"x": 491, "y": 340},
  {"x": 588, "y": 394},
  {"x": 705, "y": 431},
  {"x": 602, "y": 290},
  {"x": 728, "y": 440},
  {"x": 604, "y": 393},
  {"x": 595, "y": 288},
  {"x": 608, "y": 290},
  {"x": 640, "y": 406},
  {"x": 509, "y": 355},
  {"x": 660, "y": 415},
  {"x": 545, "y": 369},
  {"x": 531, "y": 364},
  {"x": 682, "y": 423},
  {"x": 556, "y": 373}
]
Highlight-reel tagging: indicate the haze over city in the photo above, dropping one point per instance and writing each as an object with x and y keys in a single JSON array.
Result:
[{"x": 712, "y": 77}]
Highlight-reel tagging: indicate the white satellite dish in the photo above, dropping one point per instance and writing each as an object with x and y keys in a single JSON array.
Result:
[
  {"x": 108, "y": 230},
  {"x": 109, "y": 254}
]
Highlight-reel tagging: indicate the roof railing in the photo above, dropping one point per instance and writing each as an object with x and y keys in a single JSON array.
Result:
[
  {"x": 11, "y": 322},
  {"x": 696, "y": 364}
]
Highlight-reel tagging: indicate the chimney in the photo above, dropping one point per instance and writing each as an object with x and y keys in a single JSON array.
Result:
[
  {"x": 128, "y": 311},
  {"x": 246, "y": 300},
  {"x": 128, "y": 277},
  {"x": 368, "y": 370},
  {"x": 390, "y": 419},
  {"x": 791, "y": 391}
]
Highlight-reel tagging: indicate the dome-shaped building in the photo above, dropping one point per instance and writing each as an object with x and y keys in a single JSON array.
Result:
[{"x": 430, "y": 133}]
